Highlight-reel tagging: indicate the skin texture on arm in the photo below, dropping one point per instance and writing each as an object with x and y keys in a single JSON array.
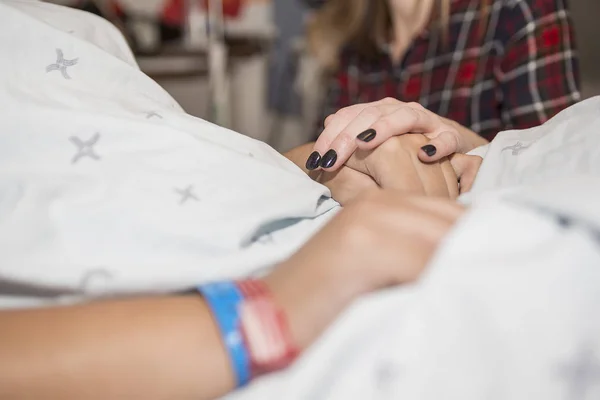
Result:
[
  {"x": 150, "y": 348},
  {"x": 170, "y": 348}
]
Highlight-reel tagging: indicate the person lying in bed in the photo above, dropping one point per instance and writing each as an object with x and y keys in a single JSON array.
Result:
[
  {"x": 117, "y": 208},
  {"x": 111, "y": 192}
]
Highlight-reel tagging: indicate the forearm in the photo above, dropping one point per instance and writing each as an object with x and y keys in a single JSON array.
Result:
[{"x": 151, "y": 348}]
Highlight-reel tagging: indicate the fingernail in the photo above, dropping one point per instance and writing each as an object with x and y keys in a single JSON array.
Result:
[
  {"x": 313, "y": 161},
  {"x": 329, "y": 159},
  {"x": 429, "y": 149},
  {"x": 367, "y": 135}
]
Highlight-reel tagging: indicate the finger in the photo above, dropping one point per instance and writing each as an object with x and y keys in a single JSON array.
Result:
[
  {"x": 395, "y": 171},
  {"x": 466, "y": 168},
  {"x": 451, "y": 180},
  {"x": 442, "y": 145},
  {"x": 328, "y": 120},
  {"x": 335, "y": 123},
  {"x": 345, "y": 142},
  {"x": 346, "y": 184},
  {"x": 433, "y": 178},
  {"x": 401, "y": 120}
]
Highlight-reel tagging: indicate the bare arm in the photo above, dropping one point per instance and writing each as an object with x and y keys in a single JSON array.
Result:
[
  {"x": 150, "y": 348},
  {"x": 169, "y": 347},
  {"x": 143, "y": 348}
]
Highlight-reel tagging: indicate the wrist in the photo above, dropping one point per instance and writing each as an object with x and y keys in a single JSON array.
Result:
[{"x": 311, "y": 297}]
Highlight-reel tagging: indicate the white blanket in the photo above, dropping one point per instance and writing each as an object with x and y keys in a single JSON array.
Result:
[
  {"x": 509, "y": 307},
  {"x": 106, "y": 186}
]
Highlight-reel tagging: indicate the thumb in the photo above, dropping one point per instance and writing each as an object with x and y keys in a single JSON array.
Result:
[
  {"x": 441, "y": 145},
  {"x": 466, "y": 168}
]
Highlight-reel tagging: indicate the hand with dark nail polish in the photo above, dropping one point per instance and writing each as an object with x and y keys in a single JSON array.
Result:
[
  {"x": 329, "y": 159},
  {"x": 429, "y": 149},
  {"x": 367, "y": 135},
  {"x": 313, "y": 161}
]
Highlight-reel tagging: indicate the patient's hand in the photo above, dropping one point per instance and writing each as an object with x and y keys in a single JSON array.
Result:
[
  {"x": 382, "y": 238},
  {"x": 395, "y": 165}
]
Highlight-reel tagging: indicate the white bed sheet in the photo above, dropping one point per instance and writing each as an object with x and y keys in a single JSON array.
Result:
[{"x": 106, "y": 186}]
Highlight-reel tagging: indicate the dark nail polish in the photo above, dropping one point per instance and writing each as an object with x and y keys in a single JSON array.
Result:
[
  {"x": 313, "y": 161},
  {"x": 329, "y": 159},
  {"x": 429, "y": 149},
  {"x": 367, "y": 135}
]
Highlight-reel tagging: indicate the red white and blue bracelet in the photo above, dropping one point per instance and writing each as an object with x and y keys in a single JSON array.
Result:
[{"x": 253, "y": 327}]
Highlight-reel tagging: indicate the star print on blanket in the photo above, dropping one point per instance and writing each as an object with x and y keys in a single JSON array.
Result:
[{"x": 62, "y": 64}]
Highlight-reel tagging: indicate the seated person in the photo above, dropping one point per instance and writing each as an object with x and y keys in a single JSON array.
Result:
[{"x": 110, "y": 192}]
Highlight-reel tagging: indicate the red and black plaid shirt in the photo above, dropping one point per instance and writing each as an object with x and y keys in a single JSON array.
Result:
[{"x": 515, "y": 70}]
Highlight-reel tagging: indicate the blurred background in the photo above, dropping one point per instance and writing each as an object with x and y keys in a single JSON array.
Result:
[{"x": 257, "y": 80}]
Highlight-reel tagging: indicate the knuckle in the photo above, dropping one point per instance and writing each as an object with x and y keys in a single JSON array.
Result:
[
  {"x": 384, "y": 126},
  {"x": 413, "y": 114},
  {"x": 414, "y": 104},
  {"x": 345, "y": 140},
  {"x": 328, "y": 119},
  {"x": 452, "y": 140},
  {"x": 372, "y": 111},
  {"x": 345, "y": 113},
  {"x": 390, "y": 101}
]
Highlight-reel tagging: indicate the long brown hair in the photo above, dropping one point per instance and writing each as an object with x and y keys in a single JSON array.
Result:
[{"x": 363, "y": 25}]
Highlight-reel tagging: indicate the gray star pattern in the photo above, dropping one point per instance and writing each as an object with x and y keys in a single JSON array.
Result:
[
  {"x": 62, "y": 64},
  {"x": 186, "y": 194},
  {"x": 85, "y": 148}
]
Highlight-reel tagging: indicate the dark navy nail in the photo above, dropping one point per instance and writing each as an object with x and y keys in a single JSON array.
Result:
[
  {"x": 329, "y": 159},
  {"x": 429, "y": 149},
  {"x": 367, "y": 135},
  {"x": 313, "y": 161}
]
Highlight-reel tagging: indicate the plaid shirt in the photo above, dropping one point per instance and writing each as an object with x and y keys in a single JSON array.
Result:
[{"x": 516, "y": 72}]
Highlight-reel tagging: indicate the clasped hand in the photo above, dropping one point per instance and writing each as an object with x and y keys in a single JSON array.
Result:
[{"x": 392, "y": 155}]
